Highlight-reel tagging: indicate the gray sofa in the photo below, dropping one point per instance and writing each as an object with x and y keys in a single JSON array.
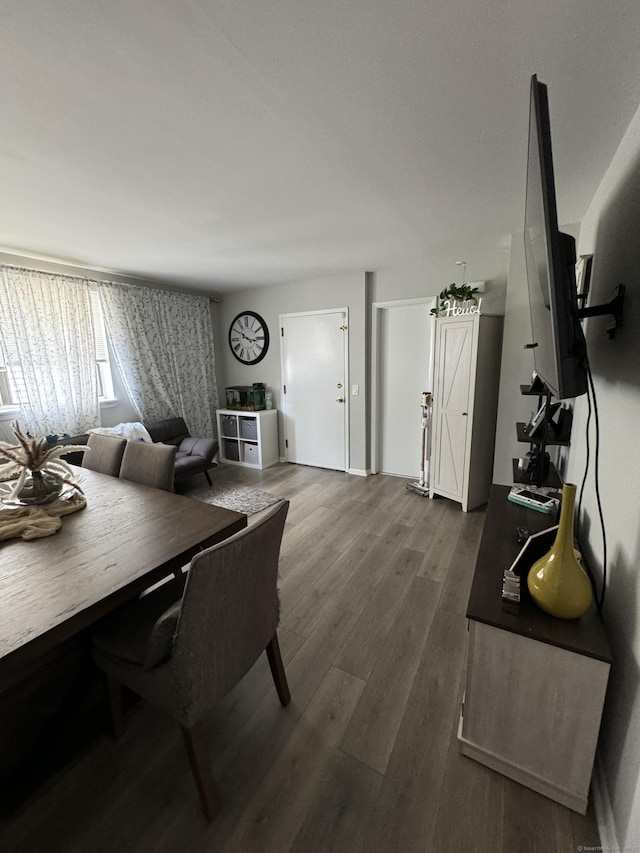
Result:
[{"x": 194, "y": 455}]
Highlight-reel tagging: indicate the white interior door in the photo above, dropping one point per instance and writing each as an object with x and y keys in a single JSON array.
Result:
[
  {"x": 314, "y": 376},
  {"x": 454, "y": 354},
  {"x": 404, "y": 344}
]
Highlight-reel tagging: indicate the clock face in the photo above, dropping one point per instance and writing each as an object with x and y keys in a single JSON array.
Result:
[{"x": 249, "y": 337}]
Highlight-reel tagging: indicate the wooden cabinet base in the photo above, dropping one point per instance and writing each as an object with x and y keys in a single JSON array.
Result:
[
  {"x": 535, "y": 684},
  {"x": 523, "y": 777},
  {"x": 532, "y": 712}
]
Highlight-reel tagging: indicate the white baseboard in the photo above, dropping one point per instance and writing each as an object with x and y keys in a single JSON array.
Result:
[
  {"x": 357, "y": 472},
  {"x": 602, "y": 808},
  {"x": 566, "y": 797}
]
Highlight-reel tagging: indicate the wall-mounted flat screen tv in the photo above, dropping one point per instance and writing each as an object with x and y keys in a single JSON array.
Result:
[{"x": 558, "y": 342}]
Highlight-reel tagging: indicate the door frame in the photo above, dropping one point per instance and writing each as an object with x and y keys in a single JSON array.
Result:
[
  {"x": 320, "y": 311},
  {"x": 376, "y": 318}
]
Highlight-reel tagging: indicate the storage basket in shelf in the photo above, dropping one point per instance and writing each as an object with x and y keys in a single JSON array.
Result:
[
  {"x": 249, "y": 428},
  {"x": 229, "y": 425},
  {"x": 231, "y": 450},
  {"x": 251, "y": 453}
]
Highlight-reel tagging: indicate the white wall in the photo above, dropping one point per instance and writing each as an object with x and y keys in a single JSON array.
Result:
[
  {"x": 424, "y": 277},
  {"x": 341, "y": 291},
  {"x": 610, "y": 231},
  {"x": 516, "y": 369},
  {"x": 357, "y": 291},
  {"x": 428, "y": 276}
]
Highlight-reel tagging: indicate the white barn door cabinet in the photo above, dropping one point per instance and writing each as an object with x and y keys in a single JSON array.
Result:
[{"x": 465, "y": 402}]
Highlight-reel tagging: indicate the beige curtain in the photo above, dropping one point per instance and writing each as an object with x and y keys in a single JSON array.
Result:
[
  {"x": 47, "y": 340},
  {"x": 163, "y": 345}
]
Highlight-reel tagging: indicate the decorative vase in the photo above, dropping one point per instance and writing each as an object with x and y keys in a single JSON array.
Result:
[
  {"x": 39, "y": 489},
  {"x": 557, "y": 582}
]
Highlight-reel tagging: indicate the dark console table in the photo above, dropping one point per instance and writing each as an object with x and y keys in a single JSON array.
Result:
[{"x": 535, "y": 684}]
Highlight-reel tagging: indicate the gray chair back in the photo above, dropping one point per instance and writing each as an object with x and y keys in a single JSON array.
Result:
[
  {"x": 104, "y": 454},
  {"x": 230, "y": 611},
  {"x": 186, "y": 655},
  {"x": 149, "y": 464}
]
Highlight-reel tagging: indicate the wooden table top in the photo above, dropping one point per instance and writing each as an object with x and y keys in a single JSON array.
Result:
[{"x": 127, "y": 537}]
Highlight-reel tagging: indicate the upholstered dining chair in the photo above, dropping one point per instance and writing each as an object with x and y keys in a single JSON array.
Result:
[
  {"x": 184, "y": 655},
  {"x": 149, "y": 464},
  {"x": 104, "y": 454}
]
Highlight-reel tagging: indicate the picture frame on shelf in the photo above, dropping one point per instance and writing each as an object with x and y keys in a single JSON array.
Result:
[
  {"x": 537, "y": 419},
  {"x": 584, "y": 265}
]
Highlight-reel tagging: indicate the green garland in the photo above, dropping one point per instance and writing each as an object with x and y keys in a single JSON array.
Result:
[{"x": 455, "y": 293}]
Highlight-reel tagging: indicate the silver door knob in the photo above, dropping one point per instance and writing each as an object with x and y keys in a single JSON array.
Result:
[{"x": 339, "y": 399}]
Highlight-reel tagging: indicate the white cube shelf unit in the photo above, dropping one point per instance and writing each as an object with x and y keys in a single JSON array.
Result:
[{"x": 248, "y": 438}]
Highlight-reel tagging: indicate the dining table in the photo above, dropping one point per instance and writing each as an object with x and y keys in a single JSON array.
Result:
[{"x": 127, "y": 538}]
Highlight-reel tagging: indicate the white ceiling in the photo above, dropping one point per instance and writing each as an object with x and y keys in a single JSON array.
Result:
[{"x": 227, "y": 144}]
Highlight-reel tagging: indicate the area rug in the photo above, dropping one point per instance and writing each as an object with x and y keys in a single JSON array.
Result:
[{"x": 234, "y": 496}]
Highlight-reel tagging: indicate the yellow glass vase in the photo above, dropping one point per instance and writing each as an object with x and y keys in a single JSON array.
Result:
[{"x": 557, "y": 582}]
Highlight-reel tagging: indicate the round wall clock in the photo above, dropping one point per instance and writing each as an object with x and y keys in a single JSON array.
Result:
[{"x": 249, "y": 337}]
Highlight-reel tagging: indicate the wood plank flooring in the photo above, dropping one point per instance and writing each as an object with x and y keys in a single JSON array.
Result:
[{"x": 374, "y": 586}]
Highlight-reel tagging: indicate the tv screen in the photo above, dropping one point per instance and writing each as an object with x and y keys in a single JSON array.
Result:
[{"x": 558, "y": 342}]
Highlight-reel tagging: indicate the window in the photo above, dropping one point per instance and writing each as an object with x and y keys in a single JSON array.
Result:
[
  {"x": 12, "y": 388},
  {"x": 11, "y": 379},
  {"x": 7, "y": 396},
  {"x": 103, "y": 365}
]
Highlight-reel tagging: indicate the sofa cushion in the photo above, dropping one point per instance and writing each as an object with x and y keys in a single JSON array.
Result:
[
  {"x": 187, "y": 465},
  {"x": 170, "y": 431},
  {"x": 203, "y": 447}
]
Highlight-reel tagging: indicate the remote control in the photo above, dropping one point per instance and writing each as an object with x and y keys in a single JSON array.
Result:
[{"x": 539, "y": 501}]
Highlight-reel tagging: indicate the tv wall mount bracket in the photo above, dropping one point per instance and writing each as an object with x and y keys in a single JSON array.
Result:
[{"x": 615, "y": 308}]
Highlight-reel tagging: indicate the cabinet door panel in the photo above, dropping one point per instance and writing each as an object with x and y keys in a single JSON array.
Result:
[
  {"x": 452, "y": 430},
  {"x": 455, "y": 358},
  {"x": 454, "y": 366}
]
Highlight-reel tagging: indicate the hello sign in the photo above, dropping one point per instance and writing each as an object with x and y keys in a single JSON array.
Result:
[{"x": 456, "y": 308}]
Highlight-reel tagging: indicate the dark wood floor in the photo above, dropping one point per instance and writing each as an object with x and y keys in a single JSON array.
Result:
[{"x": 374, "y": 586}]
